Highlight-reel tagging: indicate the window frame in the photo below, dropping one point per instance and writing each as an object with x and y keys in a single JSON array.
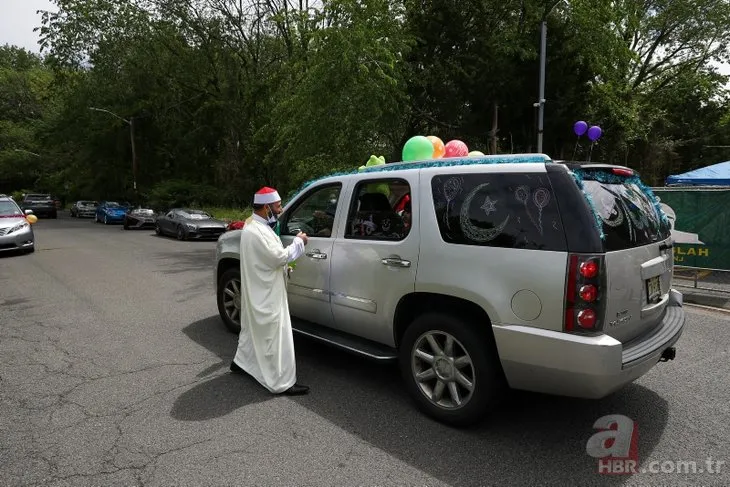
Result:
[
  {"x": 354, "y": 200},
  {"x": 297, "y": 204}
]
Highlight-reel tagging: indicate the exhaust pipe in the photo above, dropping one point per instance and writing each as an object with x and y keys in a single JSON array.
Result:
[{"x": 668, "y": 354}]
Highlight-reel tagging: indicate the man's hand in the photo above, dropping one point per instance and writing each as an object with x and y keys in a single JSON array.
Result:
[{"x": 303, "y": 236}]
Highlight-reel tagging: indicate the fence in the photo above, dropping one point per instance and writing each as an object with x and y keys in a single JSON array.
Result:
[{"x": 700, "y": 218}]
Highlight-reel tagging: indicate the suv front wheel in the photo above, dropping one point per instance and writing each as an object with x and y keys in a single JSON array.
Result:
[
  {"x": 449, "y": 368},
  {"x": 229, "y": 299}
]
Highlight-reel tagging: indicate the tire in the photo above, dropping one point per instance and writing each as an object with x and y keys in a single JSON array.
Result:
[
  {"x": 230, "y": 280},
  {"x": 126, "y": 225},
  {"x": 54, "y": 216},
  {"x": 181, "y": 233},
  {"x": 106, "y": 220},
  {"x": 158, "y": 231},
  {"x": 482, "y": 369}
]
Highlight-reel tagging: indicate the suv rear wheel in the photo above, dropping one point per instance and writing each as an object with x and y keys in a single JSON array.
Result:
[
  {"x": 229, "y": 299},
  {"x": 449, "y": 368}
]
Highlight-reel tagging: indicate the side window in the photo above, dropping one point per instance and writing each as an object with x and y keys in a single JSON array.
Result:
[
  {"x": 498, "y": 210},
  {"x": 380, "y": 210},
  {"x": 171, "y": 215},
  {"x": 315, "y": 214}
]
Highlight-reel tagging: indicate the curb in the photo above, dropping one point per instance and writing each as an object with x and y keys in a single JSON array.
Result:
[{"x": 706, "y": 300}]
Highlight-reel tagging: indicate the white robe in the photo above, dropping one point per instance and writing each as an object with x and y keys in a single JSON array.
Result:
[{"x": 265, "y": 343}]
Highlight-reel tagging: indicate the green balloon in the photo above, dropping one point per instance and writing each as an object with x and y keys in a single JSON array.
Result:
[{"x": 417, "y": 148}]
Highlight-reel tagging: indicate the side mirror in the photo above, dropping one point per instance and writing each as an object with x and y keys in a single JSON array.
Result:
[{"x": 28, "y": 212}]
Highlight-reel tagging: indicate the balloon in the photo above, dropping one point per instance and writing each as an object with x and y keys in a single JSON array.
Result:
[
  {"x": 417, "y": 148},
  {"x": 456, "y": 148},
  {"x": 580, "y": 128},
  {"x": 438, "y": 147},
  {"x": 31, "y": 219},
  {"x": 476, "y": 153},
  {"x": 594, "y": 133}
]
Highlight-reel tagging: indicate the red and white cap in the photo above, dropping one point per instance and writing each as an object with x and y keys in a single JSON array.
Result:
[{"x": 266, "y": 196}]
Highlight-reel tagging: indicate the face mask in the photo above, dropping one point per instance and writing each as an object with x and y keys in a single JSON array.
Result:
[{"x": 273, "y": 218}]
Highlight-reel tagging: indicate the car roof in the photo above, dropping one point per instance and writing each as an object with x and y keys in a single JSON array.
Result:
[{"x": 475, "y": 161}]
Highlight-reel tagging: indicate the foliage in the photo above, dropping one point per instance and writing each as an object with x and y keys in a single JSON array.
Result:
[{"x": 224, "y": 96}]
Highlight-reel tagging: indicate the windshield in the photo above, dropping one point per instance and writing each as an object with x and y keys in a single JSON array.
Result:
[
  {"x": 8, "y": 208},
  {"x": 628, "y": 216},
  {"x": 196, "y": 215},
  {"x": 112, "y": 204}
]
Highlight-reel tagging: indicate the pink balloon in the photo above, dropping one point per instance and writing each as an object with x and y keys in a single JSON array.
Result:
[{"x": 456, "y": 148}]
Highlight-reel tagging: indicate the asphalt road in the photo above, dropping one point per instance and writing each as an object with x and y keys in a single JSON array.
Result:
[{"x": 114, "y": 371}]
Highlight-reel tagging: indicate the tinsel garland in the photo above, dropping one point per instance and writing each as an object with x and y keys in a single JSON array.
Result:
[
  {"x": 608, "y": 178},
  {"x": 452, "y": 161}
]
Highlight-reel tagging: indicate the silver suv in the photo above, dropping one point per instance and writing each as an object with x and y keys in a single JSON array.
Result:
[
  {"x": 16, "y": 232},
  {"x": 479, "y": 274}
]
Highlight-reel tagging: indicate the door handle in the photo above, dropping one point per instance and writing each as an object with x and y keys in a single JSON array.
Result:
[
  {"x": 316, "y": 254},
  {"x": 396, "y": 262}
]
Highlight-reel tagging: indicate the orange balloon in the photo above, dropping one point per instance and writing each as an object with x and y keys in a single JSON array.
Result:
[
  {"x": 439, "y": 149},
  {"x": 31, "y": 219}
]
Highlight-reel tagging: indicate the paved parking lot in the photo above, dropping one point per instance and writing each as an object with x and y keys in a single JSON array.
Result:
[{"x": 114, "y": 371}]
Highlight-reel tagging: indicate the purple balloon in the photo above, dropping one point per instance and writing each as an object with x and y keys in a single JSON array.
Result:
[
  {"x": 580, "y": 128},
  {"x": 594, "y": 133}
]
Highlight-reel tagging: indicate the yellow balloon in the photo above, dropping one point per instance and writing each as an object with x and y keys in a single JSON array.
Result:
[{"x": 31, "y": 219}]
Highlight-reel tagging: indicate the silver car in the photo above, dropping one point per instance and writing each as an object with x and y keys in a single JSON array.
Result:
[
  {"x": 479, "y": 274},
  {"x": 16, "y": 232}
]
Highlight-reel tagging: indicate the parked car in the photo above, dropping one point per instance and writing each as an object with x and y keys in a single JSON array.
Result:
[
  {"x": 110, "y": 212},
  {"x": 140, "y": 218},
  {"x": 84, "y": 209},
  {"x": 500, "y": 272},
  {"x": 190, "y": 224},
  {"x": 42, "y": 205},
  {"x": 16, "y": 232}
]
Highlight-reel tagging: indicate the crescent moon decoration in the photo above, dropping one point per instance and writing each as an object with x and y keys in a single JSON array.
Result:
[
  {"x": 469, "y": 229},
  {"x": 611, "y": 208}
]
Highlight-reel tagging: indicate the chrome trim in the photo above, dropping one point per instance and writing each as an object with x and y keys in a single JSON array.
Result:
[{"x": 354, "y": 302}]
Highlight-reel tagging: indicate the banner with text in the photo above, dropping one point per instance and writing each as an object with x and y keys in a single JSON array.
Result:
[{"x": 700, "y": 221}]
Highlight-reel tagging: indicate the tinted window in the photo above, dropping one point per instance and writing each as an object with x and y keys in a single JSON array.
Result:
[
  {"x": 629, "y": 218},
  {"x": 380, "y": 210},
  {"x": 315, "y": 213},
  {"x": 498, "y": 210}
]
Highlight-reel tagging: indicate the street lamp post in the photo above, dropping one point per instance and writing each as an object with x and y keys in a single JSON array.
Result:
[
  {"x": 541, "y": 101},
  {"x": 129, "y": 122}
]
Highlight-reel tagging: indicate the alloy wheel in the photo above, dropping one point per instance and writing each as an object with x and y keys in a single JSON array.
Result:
[
  {"x": 232, "y": 300},
  {"x": 443, "y": 370}
]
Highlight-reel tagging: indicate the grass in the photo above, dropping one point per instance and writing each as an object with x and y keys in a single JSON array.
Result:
[{"x": 228, "y": 214}]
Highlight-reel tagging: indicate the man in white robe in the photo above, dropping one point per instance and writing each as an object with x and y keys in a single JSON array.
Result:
[{"x": 265, "y": 343}]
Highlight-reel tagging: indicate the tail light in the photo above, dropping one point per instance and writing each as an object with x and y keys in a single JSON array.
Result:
[{"x": 584, "y": 293}]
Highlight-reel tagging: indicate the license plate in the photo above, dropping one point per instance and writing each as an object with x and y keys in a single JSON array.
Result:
[{"x": 653, "y": 290}]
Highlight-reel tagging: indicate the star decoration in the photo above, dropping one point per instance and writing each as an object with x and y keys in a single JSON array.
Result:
[{"x": 489, "y": 206}]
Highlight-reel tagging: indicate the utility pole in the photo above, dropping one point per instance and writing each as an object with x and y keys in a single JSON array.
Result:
[
  {"x": 541, "y": 101},
  {"x": 129, "y": 122},
  {"x": 134, "y": 156}
]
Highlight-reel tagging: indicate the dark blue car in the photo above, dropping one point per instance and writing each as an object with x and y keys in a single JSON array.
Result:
[{"x": 110, "y": 212}]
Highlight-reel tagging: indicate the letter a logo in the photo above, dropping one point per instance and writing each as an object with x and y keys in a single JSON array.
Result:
[{"x": 617, "y": 438}]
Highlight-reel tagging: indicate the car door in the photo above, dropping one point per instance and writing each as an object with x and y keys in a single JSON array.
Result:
[
  {"x": 315, "y": 213},
  {"x": 167, "y": 222},
  {"x": 375, "y": 261}
]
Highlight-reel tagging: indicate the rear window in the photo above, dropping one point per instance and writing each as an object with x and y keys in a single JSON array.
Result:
[
  {"x": 628, "y": 216},
  {"x": 498, "y": 210}
]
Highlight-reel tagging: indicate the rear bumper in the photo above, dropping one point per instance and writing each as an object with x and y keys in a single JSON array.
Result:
[
  {"x": 45, "y": 211},
  {"x": 589, "y": 367}
]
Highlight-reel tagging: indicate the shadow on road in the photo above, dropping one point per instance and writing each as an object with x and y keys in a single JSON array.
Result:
[
  {"x": 217, "y": 397},
  {"x": 532, "y": 437}
]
